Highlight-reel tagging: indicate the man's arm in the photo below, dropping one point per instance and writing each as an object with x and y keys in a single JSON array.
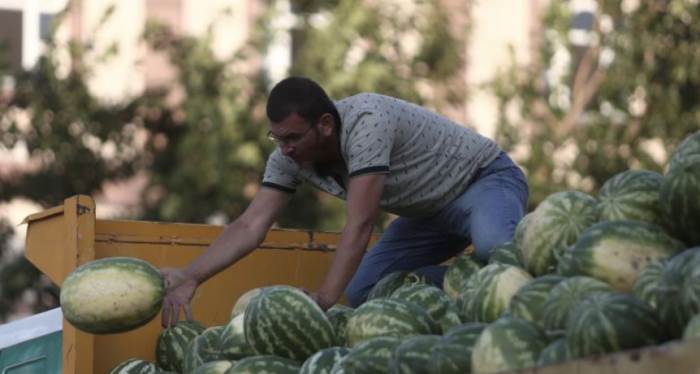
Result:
[
  {"x": 237, "y": 240},
  {"x": 364, "y": 193}
]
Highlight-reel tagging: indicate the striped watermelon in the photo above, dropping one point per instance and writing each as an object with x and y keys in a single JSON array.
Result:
[
  {"x": 565, "y": 262},
  {"x": 432, "y": 299},
  {"x": 213, "y": 367},
  {"x": 204, "y": 348},
  {"x": 507, "y": 344},
  {"x": 390, "y": 282},
  {"x": 135, "y": 366},
  {"x": 267, "y": 364},
  {"x": 617, "y": 251},
  {"x": 388, "y": 317},
  {"x": 453, "y": 354},
  {"x": 172, "y": 343},
  {"x": 461, "y": 268},
  {"x": 646, "y": 285},
  {"x": 112, "y": 295},
  {"x": 564, "y": 298},
  {"x": 507, "y": 253},
  {"x": 692, "y": 329},
  {"x": 369, "y": 356},
  {"x": 519, "y": 234},
  {"x": 528, "y": 302},
  {"x": 243, "y": 300},
  {"x": 487, "y": 293},
  {"x": 556, "y": 352},
  {"x": 680, "y": 202},
  {"x": 233, "y": 344},
  {"x": 338, "y": 315},
  {"x": 678, "y": 291},
  {"x": 687, "y": 152},
  {"x": 322, "y": 361},
  {"x": 285, "y": 322},
  {"x": 555, "y": 224},
  {"x": 414, "y": 354},
  {"x": 609, "y": 322},
  {"x": 631, "y": 195}
]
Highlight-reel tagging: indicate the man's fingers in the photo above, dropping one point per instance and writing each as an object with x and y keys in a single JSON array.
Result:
[
  {"x": 176, "y": 315},
  {"x": 165, "y": 315},
  {"x": 188, "y": 312}
]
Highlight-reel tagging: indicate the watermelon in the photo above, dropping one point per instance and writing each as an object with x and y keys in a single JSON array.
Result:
[
  {"x": 369, "y": 356},
  {"x": 564, "y": 298},
  {"x": 453, "y": 354},
  {"x": 610, "y": 322},
  {"x": 204, "y": 348},
  {"x": 457, "y": 273},
  {"x": 390, "y": 282},
  {"x": 687, "y": 152},
  {"x": 555, "y": 224},
  {"x": 646, "y": 285},
  {"x": 388, "y": 317},
  {"x": 678, "y": 291},
  {"x": 322, "y": 361},
  {"x": 631, "y": 195},
  {"x": 617, "y": 251},
  {"x": 692, "y": 329},
  {"x": 432, "y": 299},
  {"x": 268, "y": 364},
  {"x": 233, "y": 345},
  {"x": 507, "y": 344},
  {"x": 338, "y": 315},
  {"x": 413, "y": 355},
  {"x": 507, "y": 253},
  {"x": 556, "y": 352},
  {"x": 528, "y": 302},
  {"x": 285, "y": 322},
  {"x": 242, "y": 301},
  {"x": 519, "y": 234},
  {"x": 680, "y": 202},
  {"x": 112, "y": 295},
  {"x": 213, "y": 367},
  {"x": 135, "y": 366},
  {"x": 487, "y": 293},
  {"x": 172, "y": 343},
  {"x": 450, "y": 319},
  {"x": 565, "y": 262}
]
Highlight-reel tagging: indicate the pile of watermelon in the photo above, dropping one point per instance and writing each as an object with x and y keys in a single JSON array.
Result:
[{"x": 584, "y": 275}]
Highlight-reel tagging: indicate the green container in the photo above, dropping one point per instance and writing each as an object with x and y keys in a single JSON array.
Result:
[{"x": 32, "y": 345}]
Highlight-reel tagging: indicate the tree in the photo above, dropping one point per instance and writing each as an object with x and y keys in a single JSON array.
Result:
[{"x": 621, "y": 98}]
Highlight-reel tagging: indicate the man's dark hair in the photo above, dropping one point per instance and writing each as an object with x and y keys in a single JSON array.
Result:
[{"x": 301, "y": 96}]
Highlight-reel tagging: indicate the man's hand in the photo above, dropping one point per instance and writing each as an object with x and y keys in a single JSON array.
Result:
[
  {"x": 179, "y": 289},
  {"x": 322, "y": 300}
]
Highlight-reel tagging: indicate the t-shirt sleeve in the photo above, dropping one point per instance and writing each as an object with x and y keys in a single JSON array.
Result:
[
  {"x": 369, "y": 143},
  {"x": 281, "y": 173}
]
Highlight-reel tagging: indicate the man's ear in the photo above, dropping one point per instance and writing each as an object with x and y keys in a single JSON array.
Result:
[{"x": 327, "y": 122}]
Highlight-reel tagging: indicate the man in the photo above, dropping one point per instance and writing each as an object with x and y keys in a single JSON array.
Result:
[{"x": 448, "y": 185}]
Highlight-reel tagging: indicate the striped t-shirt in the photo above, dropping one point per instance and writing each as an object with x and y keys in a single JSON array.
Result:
[{"x": 428, "y": 159}]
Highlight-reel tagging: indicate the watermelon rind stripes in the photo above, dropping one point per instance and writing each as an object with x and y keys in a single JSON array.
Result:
[
  {"x": 135, "y": 366},
  {"x": 680, "y": 202},
  {"x": 647, "y": 283},
  {"x": 389, "y": 317},
  {"x": 204, "y": 348},
  {"x": 172, "y": 343},
  {"x": 112, "y": 295},
  {"x": 555, "y": 225},
  {"x": 610, "y": 322},
  {"x": 268, "y": 364},
  {"x": 564, "y": 297},
  {"x": 462, "y": 267},
  {"x": 507, "y": 344},
  {"x": 631, "y": 195},
  {"x": 284, "y": 321},
  {"x": 369, "y": 356},
  {"x": 556, "y": 352},
  {"x": 528, "y": 302},
  {"x": 322, "y": 362},
  {"x": 486, "y": 295},
  {"x": 617, "y": 251}
]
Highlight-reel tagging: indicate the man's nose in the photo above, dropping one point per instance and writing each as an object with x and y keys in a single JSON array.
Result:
[{"x": 286, "y": 149}]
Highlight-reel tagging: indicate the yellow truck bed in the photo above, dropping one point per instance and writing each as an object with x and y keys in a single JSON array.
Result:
[{"x": 61, "y": 238}]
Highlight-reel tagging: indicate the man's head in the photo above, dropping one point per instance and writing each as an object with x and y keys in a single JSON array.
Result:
[{"x": 304, "y": 120}]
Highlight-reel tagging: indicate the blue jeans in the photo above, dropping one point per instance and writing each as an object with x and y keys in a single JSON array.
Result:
[{"x": 484, "y": 215}]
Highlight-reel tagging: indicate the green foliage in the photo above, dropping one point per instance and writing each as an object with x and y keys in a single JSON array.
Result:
[{"x": 633, "y": 86}]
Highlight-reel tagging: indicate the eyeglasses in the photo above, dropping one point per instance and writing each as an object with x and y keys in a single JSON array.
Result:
[{"x": 292, "y": 139}]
